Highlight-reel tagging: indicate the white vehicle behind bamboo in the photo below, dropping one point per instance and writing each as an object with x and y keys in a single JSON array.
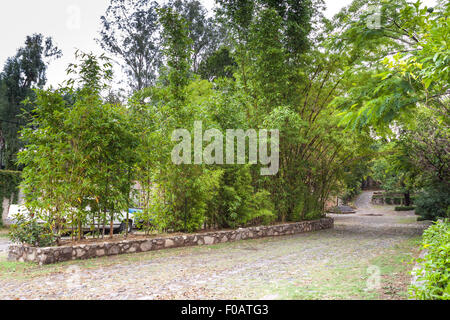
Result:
[{"x": 119, "y": 222}]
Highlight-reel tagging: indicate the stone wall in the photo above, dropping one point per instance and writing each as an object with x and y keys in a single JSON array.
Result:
[{"x": 86, "y": 251}]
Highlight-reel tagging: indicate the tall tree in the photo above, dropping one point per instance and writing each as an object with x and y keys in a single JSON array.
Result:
[
  {"x": 21, "y": 73},
  {"x": 130, "y": 32},
  {"x": 202, "y": 29},
  {"x": 296, "y": 20},
  {"x": 297, "y": 16},
  {"x": 218, "y": 64}
]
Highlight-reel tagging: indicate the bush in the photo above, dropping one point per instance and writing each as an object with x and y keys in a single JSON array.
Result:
[
  {"x": 434, "y": 271},
  {"x": 350, "y": 194},
  {"x": 433, "y": 203},
  {"x": 29, "y": 231},
  {"x": 404, "y": 208},
  {"x": 262, "y": 211}
]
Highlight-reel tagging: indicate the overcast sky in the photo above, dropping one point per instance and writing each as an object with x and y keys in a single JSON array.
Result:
[{"x": 73, "y": 24}]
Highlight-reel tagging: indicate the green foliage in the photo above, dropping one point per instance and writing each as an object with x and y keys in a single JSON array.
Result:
[
  {"x": 267, "y": 76},
  {"x": 404, "y": 208},
  {"x": 394, "y": 172},
  {"x": 79, "y": 156},
  {"x": 433, "y": 281},
  {"x": 426, "y": 146},
  {"x": 408, "y": 61},
  {"x": 433, "y": 202},
  {"x": 177, "y": 49},
  {"x": 238, "y": 204},
  {"x": 202, "y": 30},
  {"x": 218, "y": 64},
  {"x": 262, "y": 93},
  {"x": 263, "y": 210},
  {"x": 131, "y": 31},
  {"x": 296, "y": 18},
  {"x": 84, "y": 152},
  {"x": 21, "y": 73},
  {"x": 27, "y": 230},
  {"x": 145, "y": 220},
  {"x": 175, "y": 197},
  {"x": 353, "y": 179}
]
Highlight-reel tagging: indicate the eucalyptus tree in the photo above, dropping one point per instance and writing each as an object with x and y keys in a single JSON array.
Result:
[
  {"x": 202, "y": 30},
  {"x": 130, "y": 32},
  {"x": 219, "y": 64},
  {"x": 21, "y": 73}
]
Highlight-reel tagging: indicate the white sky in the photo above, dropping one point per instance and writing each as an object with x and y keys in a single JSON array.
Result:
[{"x": 73, "y": 24}]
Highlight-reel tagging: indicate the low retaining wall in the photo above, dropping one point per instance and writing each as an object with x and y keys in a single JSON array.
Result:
[{"x": 86, "y": 251}]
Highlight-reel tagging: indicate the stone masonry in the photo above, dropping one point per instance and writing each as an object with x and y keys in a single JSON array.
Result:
[{"x": 50, "y": 255}]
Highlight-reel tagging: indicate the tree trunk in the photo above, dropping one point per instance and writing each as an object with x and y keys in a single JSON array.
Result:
[
  {"x": 111, "y": 226},
  {"x": 407, "y": 199},
  {"x": 79, "y": 229}
]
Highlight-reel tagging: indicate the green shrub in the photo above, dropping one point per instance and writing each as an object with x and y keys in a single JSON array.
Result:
[
  {"x": 433, "y": 202},
  {"x": 262, "y": 210},
  {"x": 350, "y": 194},
  {"x": 404, "y": 208},
  {"x": 433, "y": 282},
  {"x": 29, "y": 231}
]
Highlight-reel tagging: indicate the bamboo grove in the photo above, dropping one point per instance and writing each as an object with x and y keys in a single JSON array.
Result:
[{"x": 270, "y": 65}]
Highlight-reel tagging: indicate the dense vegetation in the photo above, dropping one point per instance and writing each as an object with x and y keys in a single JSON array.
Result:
[
  {"x": 402, "y": 94},
  {"x": 349, "y": 100},
  {"x": 433, "y": 274}
]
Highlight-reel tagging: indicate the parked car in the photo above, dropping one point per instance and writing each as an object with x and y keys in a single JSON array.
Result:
[{"x": 119, "y": 224}]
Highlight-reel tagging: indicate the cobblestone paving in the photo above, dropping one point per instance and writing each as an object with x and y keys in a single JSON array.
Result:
[{"x": 252, "y": 269}]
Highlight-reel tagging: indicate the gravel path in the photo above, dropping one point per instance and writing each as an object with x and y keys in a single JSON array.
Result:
[{"x": 254, "y": 269}]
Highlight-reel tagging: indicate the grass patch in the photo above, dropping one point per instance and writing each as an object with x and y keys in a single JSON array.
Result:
[
  {"x": 4, "y": 232},
  {"x": 349, "y": 279},
  {"x": 395, "y": 270},
  {"x": 407, "y": 220}
]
